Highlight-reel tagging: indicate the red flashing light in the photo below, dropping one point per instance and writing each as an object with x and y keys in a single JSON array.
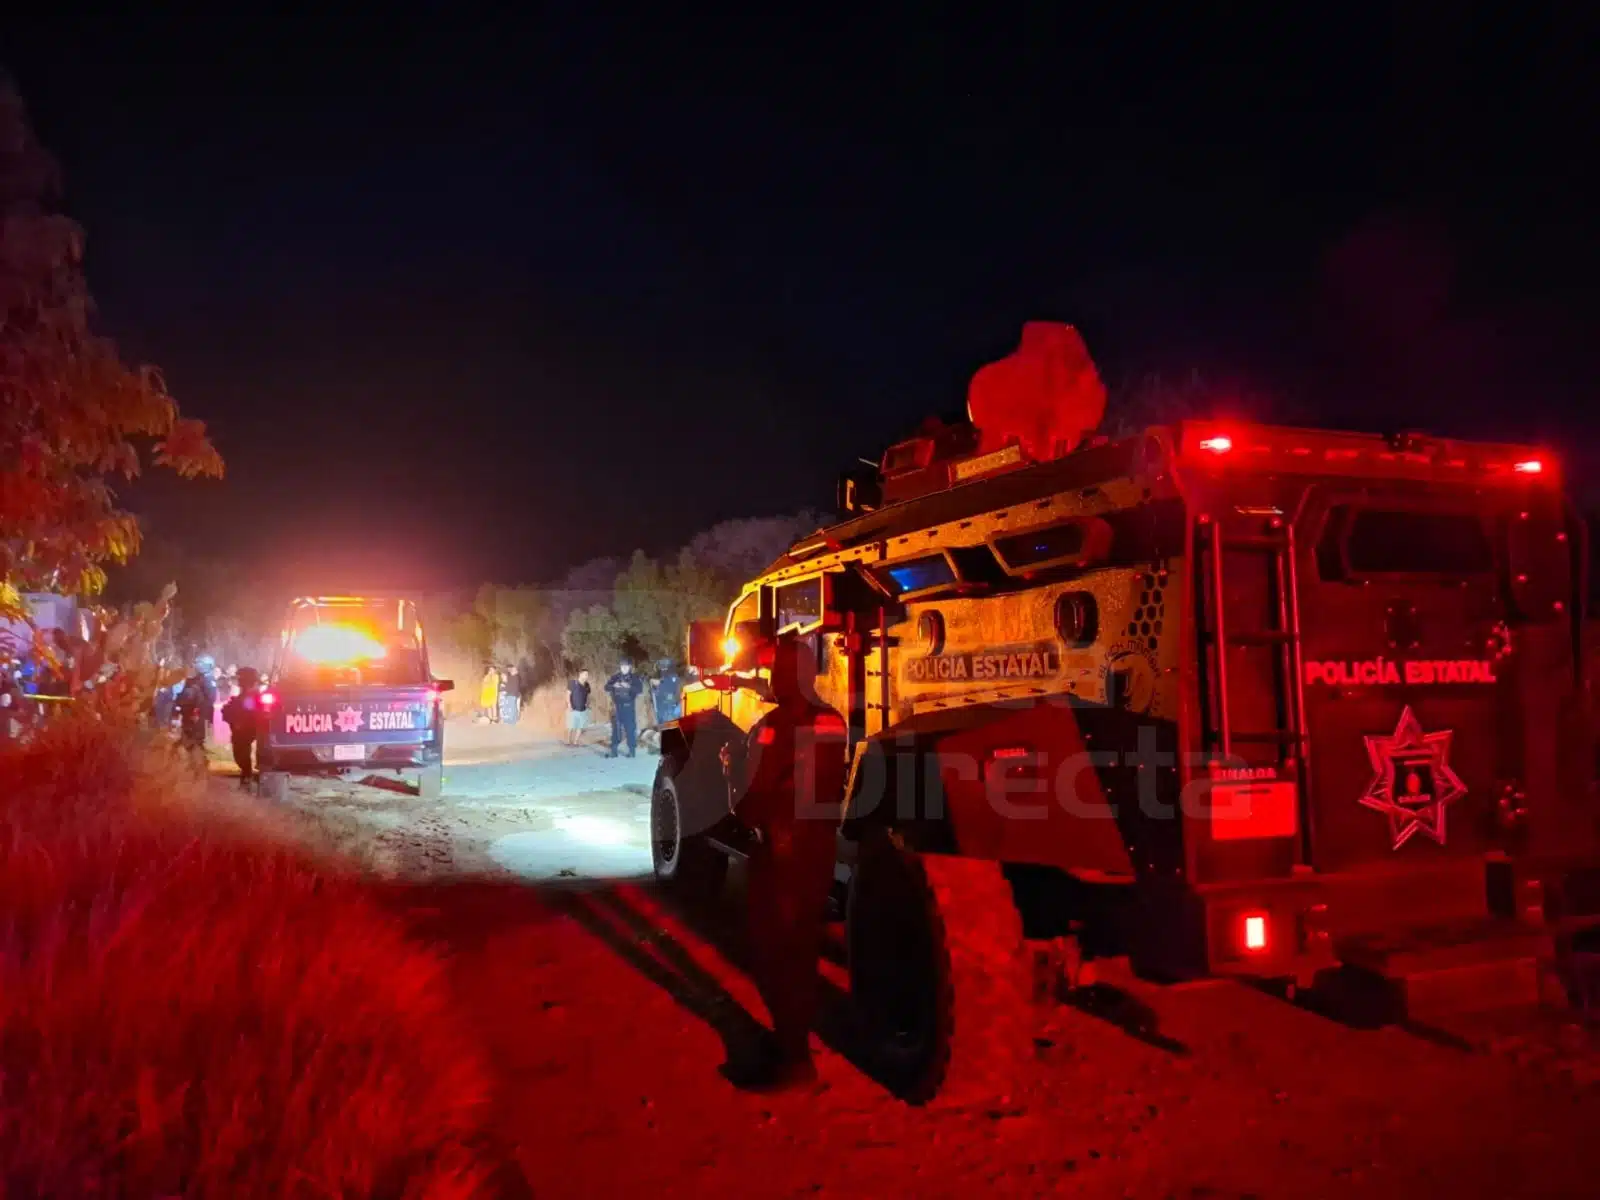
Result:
[
  {"x": 269, "y": 699},
  {"x": 1255, "y": 932},
  {"x": 1529, "y": 466},
  {"x": 1217, "y": 444},
  {"x": 1009, "y": 752}
]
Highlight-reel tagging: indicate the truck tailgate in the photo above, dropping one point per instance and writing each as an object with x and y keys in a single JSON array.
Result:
[{"x": 371, "y": 716}]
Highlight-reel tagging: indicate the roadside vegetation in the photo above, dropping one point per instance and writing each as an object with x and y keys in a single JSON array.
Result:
[{"x": 190, "y": 1004}]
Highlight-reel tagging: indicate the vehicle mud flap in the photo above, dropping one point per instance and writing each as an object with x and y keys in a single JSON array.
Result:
[
  {"x": 683, "y": 861},
  {"x": 939, "y": 974},
  {"x": 430, "y": 782},
  {"x": 275, "y": 786}
]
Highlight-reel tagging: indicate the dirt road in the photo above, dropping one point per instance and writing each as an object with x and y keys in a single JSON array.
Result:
[
  {"x": 514, "y": 801},
  {"x": 608, "y": 1012}
]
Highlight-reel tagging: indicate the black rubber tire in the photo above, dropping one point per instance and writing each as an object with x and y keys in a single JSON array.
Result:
[
  {"x": 275, "y": 786},
  {"x": 430, "y": 782},
  {"x": 939, "y": 975},
  {"x": 689, "y": 865}
]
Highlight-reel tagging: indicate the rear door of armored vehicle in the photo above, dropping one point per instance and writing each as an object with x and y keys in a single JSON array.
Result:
[{"x": 1387, "y": 669}]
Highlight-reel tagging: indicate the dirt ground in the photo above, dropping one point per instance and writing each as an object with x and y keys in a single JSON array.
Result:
[{"x": 608, "y": 1012}]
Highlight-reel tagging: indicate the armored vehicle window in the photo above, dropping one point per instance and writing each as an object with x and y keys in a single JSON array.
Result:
[
  {"x": 1076, "y": 543},
  {"x": 1042, "y": 545},
  {"x": 1371, "y": 541},
  {"x": 747, "y": 609},
  {"x": 799, "y": 605},
  {"x": 977, "y": 564},
  {"x": 917, "y": 574}
]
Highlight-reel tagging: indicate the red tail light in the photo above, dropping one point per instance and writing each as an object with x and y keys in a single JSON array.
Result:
[{"x": 1254, "y": 932}]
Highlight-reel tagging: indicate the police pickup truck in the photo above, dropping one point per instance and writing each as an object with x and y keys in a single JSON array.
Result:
[{"x": 350, "y": 695}]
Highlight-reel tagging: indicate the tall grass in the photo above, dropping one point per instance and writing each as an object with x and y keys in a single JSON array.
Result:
[{"x": 189, "y": 1007}]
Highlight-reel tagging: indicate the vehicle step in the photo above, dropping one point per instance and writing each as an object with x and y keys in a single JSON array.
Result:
[
  {"x": 1434, "y": 973},
  {"x": 1405, "y": 952}
]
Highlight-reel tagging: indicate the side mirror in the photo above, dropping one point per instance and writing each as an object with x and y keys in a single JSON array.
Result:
[
  {"x": 704, "y": 649},
  {"x": 444, "y": 685}
]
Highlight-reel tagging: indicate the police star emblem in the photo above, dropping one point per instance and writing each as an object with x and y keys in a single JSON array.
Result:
[
  {"x": 1412, "y": 783},
  {"x": 349, "y": 720}
]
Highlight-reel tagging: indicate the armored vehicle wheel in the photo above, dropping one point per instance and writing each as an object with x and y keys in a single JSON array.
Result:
[
  {"x": 430, "y": 782},
  {"x": 939, "y": 974},
  {"x": 275, "y": 786},
  {"x": 683, "y": 861}
]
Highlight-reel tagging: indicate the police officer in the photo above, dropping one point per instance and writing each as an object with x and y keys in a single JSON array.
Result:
[
  {"x": 243, "y": 714},
  {"x": 669, "y": 689},
  {"x": 624, "y": 689},
  {"x": 11, "y": 699},
  {"x": 196, "y": 706},
  {"x": 794, "y": 775}
]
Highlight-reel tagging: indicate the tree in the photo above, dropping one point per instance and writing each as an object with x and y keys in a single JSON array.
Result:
[
  {"x": 73, "y": 417},
  {"x": 656, "y": 602},
  {"x": 734, "y": 551},
  {"x": 594, "y": 638}
]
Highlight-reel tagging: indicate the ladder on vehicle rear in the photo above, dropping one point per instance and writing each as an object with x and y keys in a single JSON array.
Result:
[{"x": 1231, "y": 551}]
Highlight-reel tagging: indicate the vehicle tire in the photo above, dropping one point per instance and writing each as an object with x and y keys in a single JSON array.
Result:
[
  {"x": 939, "y": 974},
  {"x": 688, "y": 864},
  {"x": 275, "y": 786},
  {"x": 430, "y": 782}
]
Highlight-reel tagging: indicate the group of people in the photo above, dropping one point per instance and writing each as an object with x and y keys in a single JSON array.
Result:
[
  {"x": 500, "y": 695},
  {"x": 623, "y": 689},
  {"x": 31, "y": 685},
  {"x": 194, "y": 705}
]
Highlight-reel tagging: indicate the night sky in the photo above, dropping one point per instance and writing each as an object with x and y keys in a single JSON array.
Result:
[{"x": 480, "y": 295}]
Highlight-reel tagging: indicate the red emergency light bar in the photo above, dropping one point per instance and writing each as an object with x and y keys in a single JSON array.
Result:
[{"x": 1250, "y": 447}]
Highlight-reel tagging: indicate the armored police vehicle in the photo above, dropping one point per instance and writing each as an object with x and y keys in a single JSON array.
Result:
[
  {"x": 1225, "y": 698},
  {"x": 350, "y": 694}
]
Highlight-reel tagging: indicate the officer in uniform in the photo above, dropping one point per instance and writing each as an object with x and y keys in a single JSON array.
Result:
[
  {"x": 196, "y": 705},
  {"x": 794, "y": 775},
  {"x": 624, "y": 688},
  {"x": 243, "y": 715},
  {"x": 669, "y": 693}
]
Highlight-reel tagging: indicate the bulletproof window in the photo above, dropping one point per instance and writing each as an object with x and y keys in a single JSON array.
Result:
[
  {"x": 917, "y": 575},
  {"x": 799, "y": 605},
  {"x": 1375, "y": 541},
  {"x": 977, "y": 565},
  {"x": 747, "y": 609},
  {"x": 1077, "y": 542}
]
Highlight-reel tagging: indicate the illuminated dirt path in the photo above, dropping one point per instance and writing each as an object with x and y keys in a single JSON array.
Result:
[
  {"x": 514, "y": 801},
  {"x": 607, "y": 1013}
]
